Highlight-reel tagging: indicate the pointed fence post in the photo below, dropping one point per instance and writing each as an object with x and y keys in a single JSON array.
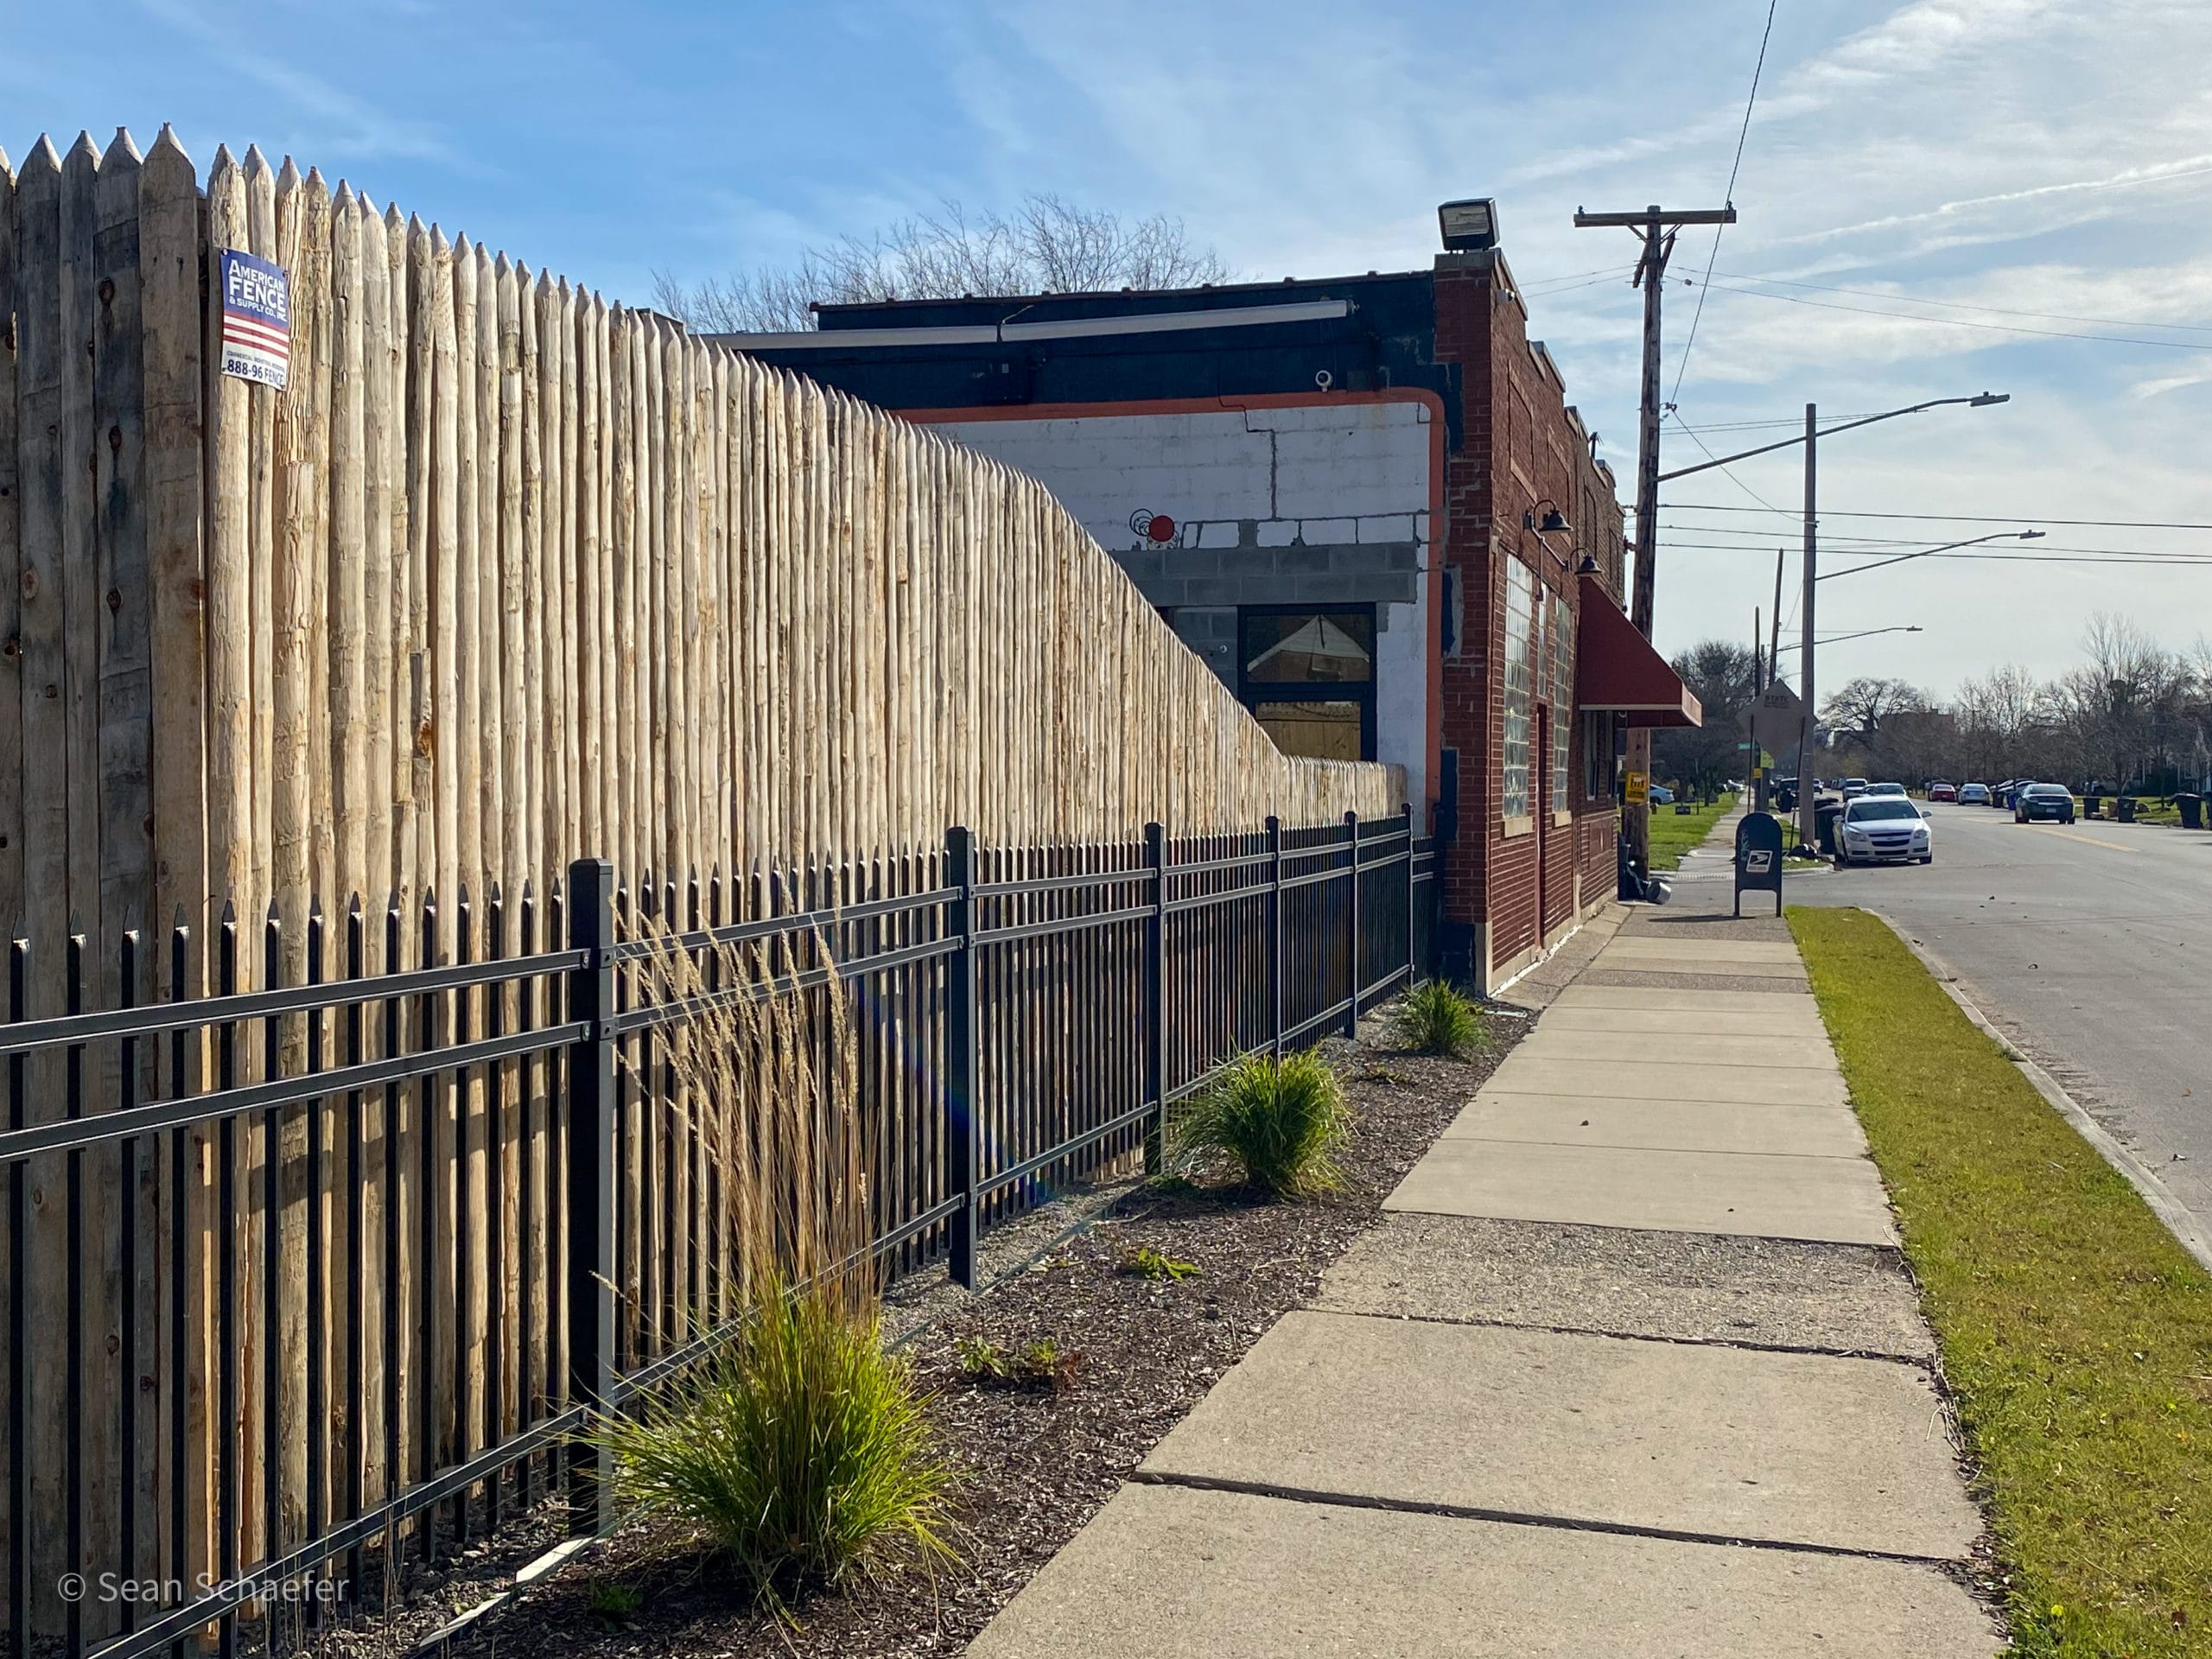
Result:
[
  {"x": 591, "y": 1159},
  {"x": 1274, "y": 936},
  {"x": 1155, "y": 1001},
  {"x": 1351, "y": 922},
  {"x": 963, "y": 1142}
]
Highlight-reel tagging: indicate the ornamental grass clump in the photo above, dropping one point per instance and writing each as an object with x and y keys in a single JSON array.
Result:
[
  {"x": 1280, "y": 1122},
  {"x": 799, "y": 1448},
  {"x": 1437, "y": 1019}
]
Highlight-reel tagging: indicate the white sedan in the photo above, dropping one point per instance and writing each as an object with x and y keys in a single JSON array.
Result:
[{"x": 1883, "y": 829}]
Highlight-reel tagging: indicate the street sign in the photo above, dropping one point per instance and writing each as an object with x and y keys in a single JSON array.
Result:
[
  {"x": 1639, "y": 788},
  {"x": 1778, "y": 720}
]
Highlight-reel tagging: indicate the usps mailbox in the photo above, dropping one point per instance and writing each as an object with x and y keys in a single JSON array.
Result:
[{"x": 1758, "y": 858}]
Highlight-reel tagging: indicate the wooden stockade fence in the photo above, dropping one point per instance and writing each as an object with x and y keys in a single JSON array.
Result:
[{"x": 505, "y": 575}]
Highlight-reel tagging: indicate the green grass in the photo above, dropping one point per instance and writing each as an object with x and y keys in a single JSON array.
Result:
[
  {"x": 1278, "y": 1121},
  {"x": 1436, "y": 1020},
  {"x": 2077, "y": 1334},
  {"x": 801, "y": 1448},
  {"x": 1675, "y": 833}
]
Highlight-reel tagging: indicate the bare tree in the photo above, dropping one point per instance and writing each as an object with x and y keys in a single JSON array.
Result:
[
  {"x": 1723, "y": 675},
  {"x": 1047, "y": 246},
  {"x": 1859, "y": 706}
]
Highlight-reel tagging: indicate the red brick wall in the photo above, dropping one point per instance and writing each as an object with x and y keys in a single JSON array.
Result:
[{"x": 1520, "y": 446}]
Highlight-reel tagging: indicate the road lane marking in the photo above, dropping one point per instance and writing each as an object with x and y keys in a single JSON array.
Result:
[{"x": 2091, "y": 840}]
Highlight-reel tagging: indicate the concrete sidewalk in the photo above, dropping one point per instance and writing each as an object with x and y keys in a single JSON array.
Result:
[{"x": 1630, "y": 1366}]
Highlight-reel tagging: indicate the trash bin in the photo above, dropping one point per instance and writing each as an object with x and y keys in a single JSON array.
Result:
[
  {"x": 2089, "y": 799},
  {"x": 1824, "y": 817},
  {"x": 2123, "y": 808},
  {"x": 2192, "y": 810}
]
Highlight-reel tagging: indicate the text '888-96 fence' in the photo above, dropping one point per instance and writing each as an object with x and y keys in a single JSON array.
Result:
[{"x": 391, "y": 1272}]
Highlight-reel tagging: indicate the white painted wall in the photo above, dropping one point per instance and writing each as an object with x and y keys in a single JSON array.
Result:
[{"x": 1331, "y": 473}]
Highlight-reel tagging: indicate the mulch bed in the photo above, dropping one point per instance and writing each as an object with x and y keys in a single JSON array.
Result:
[{"x": 1036, "y": 1463}]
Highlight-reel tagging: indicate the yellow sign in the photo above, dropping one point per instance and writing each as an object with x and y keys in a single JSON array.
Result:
[{"x": 1639, "y": 788}]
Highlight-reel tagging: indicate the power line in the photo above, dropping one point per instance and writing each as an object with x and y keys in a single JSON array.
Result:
[
  {"x": 1729, "y": 195},
  {"x": 1690, "y": 432},
  {"x": 1944, "y": 518},
  {"x": 2123, "y": 561},
  {"x": 1962, "y": 323},
  {"x": 1848, "y": 544},
  {"x": 1961, "y": 305},
  {"x": 1548, "y": 283}
]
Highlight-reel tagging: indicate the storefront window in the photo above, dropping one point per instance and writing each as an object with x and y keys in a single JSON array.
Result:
[{"x": 1308, "y": 677}]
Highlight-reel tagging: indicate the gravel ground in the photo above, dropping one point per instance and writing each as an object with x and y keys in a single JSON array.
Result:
[
  {"x": 1680, "y": 1286},
  {"x": 1034, "y": 1465}
]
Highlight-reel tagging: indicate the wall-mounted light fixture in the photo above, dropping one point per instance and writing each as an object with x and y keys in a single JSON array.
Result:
[{"x": 1545, "y": 519}]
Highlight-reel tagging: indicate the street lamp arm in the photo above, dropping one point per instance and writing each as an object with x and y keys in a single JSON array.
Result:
[
  {"x": 1791, "y": 443},
  {"x": 1925, "y": 552}
]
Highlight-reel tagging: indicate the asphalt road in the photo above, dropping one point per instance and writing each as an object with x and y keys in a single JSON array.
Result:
[{"x": 2090, "y": 946}]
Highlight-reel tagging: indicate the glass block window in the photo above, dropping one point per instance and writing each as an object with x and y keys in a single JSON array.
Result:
[
  {"x": 1559, "y": 631},
  {"x": 1520, "y": 684}
]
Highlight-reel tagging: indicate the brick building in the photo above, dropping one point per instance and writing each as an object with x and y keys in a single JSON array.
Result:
[{"x": 1366, "y": 503}]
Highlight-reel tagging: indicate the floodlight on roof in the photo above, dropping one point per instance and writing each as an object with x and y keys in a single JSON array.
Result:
[{"x": 1469, "y": 226}]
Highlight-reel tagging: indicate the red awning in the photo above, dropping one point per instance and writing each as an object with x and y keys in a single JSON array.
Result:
[{"x": 1617, "y": 671}]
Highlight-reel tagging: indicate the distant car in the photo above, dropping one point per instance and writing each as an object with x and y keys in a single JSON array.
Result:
[
  {"x": 1661, "y": 796},
  {"x": 2035, "y": 802},
  {"x": 1882, "y": 830},
  {"x": 1942, "y": 791},
  {"x": 1854, "y": 788},
  {"x": 1897, "y": 789},
  {"x": 1973, "y": 794}
]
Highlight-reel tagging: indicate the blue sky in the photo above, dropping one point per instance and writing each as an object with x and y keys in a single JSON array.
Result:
[{"x": 2038, "y": 165}]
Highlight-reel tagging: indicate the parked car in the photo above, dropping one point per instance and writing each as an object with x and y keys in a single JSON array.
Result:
[
  {"x": 2035, "y": 802},
  {"x": 1660, "y": 795},
  {"x": 1973, "y": 794},
  {"x": 1942, "y": 791},
  {"x": 1897, "y": 789},
  {"x": 1853, "y": 787},
  {"x": 1883, "y": 829}
]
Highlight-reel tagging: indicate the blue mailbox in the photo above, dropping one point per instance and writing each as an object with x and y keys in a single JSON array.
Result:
[{"x": 1758, "y": 857}]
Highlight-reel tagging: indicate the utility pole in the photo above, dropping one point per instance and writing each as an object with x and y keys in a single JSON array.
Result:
[
  {"x": 1774, "y": 640},
  {"x": 1656, "y": 227},
  {"x": 1808, "y": 822},
  {"x": 1757, "y": 773}
]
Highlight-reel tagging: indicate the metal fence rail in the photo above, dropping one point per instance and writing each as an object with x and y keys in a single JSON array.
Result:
[{"x": 372, "y": 1240}]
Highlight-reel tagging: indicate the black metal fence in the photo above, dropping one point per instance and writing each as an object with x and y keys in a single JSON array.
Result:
[{"x": 308, "y": 1282}]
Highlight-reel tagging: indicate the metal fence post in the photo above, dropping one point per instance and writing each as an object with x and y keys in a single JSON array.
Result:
[
  {"x": 1155, "y": 1001},
  {"x": 1275, "y": 935},
  {"x": 1413, "y": 934},
  {"x": 964, "y": 1147},
  {"x": 591, "y": 1161},
  {"x": 1351, "y": 910}
]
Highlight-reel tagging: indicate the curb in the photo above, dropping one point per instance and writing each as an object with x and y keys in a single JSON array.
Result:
[{"x": 2173, "y": 1214}]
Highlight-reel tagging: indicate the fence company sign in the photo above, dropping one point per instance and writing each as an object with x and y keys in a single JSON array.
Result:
[{"x": 257, "y": 318}]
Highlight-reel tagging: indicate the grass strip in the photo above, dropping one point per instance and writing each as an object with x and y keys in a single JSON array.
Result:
[
  {"x": 1675, "y": 833},
  {"x": 2076, "y": 1333}
]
